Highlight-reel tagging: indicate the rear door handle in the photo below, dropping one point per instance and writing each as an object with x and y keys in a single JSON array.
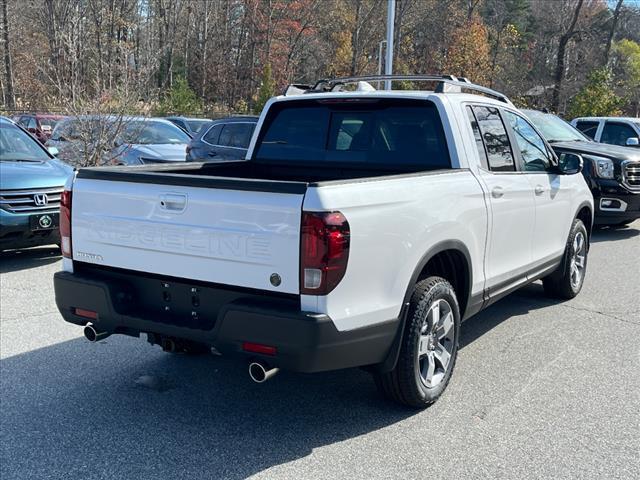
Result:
[
  {"x": 497, "y": 192},
  {"x": 212, "y": 154},
  {"x": 539, "y": 189}
]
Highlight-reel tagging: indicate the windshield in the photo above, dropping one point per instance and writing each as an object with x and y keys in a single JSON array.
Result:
[
  {"x": 196, "y": 125},
  {"x": 554, "y": 128},
  {"x": 17, "y": 146},
  {"x": 153, "y": 133}
]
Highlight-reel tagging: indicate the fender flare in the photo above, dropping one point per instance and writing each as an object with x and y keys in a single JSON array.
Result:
[{"x": 394, "y": 351}]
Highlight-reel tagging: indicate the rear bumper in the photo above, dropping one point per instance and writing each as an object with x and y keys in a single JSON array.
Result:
[
  {"x": 15, "y": 232},
  {"x": 305, "y": 342}
]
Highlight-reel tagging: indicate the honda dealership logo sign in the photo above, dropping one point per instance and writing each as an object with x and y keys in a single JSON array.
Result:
[{"x": 41, "y": 199}]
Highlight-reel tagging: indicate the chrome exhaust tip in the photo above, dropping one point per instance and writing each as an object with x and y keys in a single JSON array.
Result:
[
  {"x": 94, "y": 335},
  {"x": 260, "y": 372}
]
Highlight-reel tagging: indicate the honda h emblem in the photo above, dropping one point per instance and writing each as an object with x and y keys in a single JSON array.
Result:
[{"x": 41, "y": 199}]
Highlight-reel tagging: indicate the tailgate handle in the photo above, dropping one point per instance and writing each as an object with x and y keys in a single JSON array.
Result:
[{"x": 175, "y": 202}]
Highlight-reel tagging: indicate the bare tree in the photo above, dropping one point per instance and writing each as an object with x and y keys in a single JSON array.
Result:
[
  {"x": 8, "y": 69},
  {"x": 562, "y": 48},
  {"x": 614, "y": 23}
]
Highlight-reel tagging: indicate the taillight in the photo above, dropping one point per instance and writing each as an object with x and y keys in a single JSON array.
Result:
[
  {"x": 324, "y": 251},
  {"x": 65, "y": 223}
]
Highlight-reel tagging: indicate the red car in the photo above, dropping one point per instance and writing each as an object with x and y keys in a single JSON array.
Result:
[{"x": 38, "y": 124}]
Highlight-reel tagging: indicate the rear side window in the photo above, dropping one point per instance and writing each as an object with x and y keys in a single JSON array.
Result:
[
  {"x": 236, "y": 135},
  {"x": 495, "y": 138},
  {"x": 478, "y": 138},
  {"x": 588, "y": 128},
  {"x": 405, "y": 134},
  {"x": 213, "y": 134}
]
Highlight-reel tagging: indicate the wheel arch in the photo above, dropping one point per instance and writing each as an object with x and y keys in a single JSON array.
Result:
[
  {"x": 585, "y": 213},
  {"x": 450, "y": 260}
]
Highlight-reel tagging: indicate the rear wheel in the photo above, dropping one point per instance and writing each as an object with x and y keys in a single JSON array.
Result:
[
  {"x": 567, "y": 280},
  {"x": 429, "y": 346}
]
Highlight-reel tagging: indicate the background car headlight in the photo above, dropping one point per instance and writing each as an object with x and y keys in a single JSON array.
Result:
[{"x": 603, "y": 167}]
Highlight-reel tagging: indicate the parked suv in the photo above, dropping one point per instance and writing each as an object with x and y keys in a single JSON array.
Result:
[
  {"x": 361, "y": 230},
  {"x": 39, "y": 125},
  {"x": 224, "y": 139},
  {"x": 612, "y": 172},
  {"x": 621, "y": 131},
  {"x": 31, "y": 183}
]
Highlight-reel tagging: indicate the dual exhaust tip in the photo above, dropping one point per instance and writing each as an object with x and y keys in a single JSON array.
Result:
[{"x": 259, "y": 371}]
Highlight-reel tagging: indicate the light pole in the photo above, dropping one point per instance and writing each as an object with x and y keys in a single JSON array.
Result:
[
  {"x": 388, "y": 64},
  {"x": 380, "y": 47}
]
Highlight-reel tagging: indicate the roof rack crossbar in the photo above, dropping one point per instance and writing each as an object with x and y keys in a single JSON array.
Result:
[{"x": 328, "y": 85}]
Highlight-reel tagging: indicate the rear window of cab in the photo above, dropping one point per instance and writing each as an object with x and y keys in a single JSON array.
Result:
[{"x": 384, "y": 133}]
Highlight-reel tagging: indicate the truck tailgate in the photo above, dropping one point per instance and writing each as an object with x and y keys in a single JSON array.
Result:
[{"x": 232, "y": 236}]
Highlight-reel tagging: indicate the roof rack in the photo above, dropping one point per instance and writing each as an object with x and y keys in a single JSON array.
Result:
[{"x": 444, "y": 84}]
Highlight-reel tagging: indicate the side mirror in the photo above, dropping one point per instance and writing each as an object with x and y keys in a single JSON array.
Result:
[
  {"x": 53, "y": 151},
  {"x": 570, "y": 163},
  {"x": 633, "y": 142}
]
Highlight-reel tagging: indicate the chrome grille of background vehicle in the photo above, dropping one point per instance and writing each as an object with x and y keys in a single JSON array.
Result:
[
  {"x": 31, "y": 201},
  {"x": 631, "y": 175}
]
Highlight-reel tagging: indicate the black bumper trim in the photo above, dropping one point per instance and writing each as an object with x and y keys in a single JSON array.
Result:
[{"x": 305, "y": 342}]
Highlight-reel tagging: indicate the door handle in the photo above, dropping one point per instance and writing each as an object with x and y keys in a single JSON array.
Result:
[
  {"x": 539, "y": 189},
  {"x": 173, "y": 202},
  {"x": 497, "y": 192},
  {"x": 212, "y": 154}
]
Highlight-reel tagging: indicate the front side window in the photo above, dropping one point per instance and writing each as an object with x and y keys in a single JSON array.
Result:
[
  {"x": 615, "y": 133},
  {"x": 237, "y": 135},
  {"x": 588, "y": 128},
  {"x": 532, "y": 148},
  {"x": 495, "y": 139}
]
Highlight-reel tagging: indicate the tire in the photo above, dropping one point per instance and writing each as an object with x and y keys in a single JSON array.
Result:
[
  {"x": 567, "y": 280},
  {"x": 420, "y": 375}
]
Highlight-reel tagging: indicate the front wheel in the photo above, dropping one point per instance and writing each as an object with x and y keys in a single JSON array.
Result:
[
  {"x": 567, "y": 280},
  {"x": 429, "y": 346}
]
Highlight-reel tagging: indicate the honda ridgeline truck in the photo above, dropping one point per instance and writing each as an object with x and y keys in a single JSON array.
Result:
[{"x": 360, "y": 231}]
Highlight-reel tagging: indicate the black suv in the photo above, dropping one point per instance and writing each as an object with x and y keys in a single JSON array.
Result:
[
  {"x": 223, "y": 139},
  {"x": 612, "y": 172}
]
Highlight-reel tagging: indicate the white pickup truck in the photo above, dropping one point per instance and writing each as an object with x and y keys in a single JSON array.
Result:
[{"x": 361, "y": 229}]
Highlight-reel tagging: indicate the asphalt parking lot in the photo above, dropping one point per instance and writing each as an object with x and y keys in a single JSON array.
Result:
[{"x": 541, "y": 390}]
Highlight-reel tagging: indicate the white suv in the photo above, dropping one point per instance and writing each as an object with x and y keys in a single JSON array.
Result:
[{"x": 361, "y": 229}]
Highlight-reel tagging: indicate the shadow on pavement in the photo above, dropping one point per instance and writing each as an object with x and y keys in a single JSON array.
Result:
[
  {"x": 121, "y": 409},
  {"x": 16, "y": 260},
  {"x": 607, "y": 234},
  {"x": 117, "y": 410},
  {"x": 526, "y": 299}
]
